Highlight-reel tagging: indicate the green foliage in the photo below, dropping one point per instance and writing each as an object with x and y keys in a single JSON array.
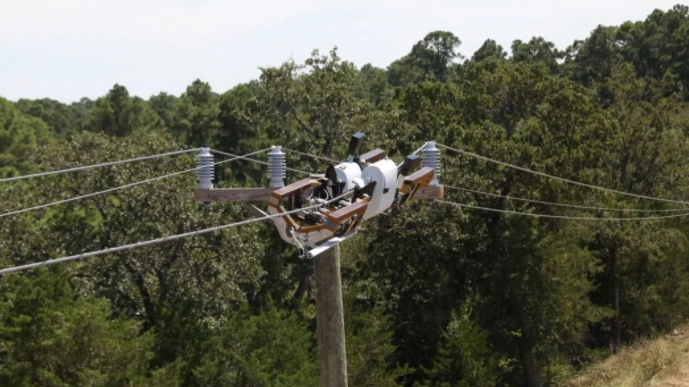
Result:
[
  {"x": 52, "y": 337},
  {"x": 431, "y": 59},
  {"x": 271, "y": 349},
  {"x": 62, "y": 119},
  {"x": 20, "y": 137},
  {"x": 464, "y": 358},
  {"x": 195, "y": 116},
  {"x": 118, "y": 114},
  {"x": 435, "y": 295}
]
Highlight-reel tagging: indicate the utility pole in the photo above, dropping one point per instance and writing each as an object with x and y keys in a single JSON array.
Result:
[
  {"x": 330, "y": 319},
  {"x": 329, "y": 306}
]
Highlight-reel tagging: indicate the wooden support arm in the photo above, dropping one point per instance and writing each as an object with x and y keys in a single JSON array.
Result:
[
  {"x": 263, "y": 194},
  {"x": 372, "y": 156},
  {"x": 429, "y": 193}
]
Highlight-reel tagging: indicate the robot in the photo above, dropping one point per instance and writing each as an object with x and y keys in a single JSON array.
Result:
[{"x": 348, "y": 194}]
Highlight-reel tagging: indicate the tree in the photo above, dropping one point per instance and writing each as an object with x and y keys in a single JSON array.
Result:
[
  {"x": 592, "y": 60},
  {"x": 160, "y": 285},
  {"x": 537, "y": 50},
  {"x": 271, "y": 349},
  {"x": 312, "y": 103},
  {"x": 20, "y": 137},
  {"x": 431, "y": 59},
  {"x": 118, "y": 114},
  {"x": 489, "y": 49},
  {"x": 465, "y": 358},
  {"x": 62, "y": 119},
  {"x": 164, "y": 105},
  {"x": 196, "y": 115},
  {"x": 52, "y": 336}
]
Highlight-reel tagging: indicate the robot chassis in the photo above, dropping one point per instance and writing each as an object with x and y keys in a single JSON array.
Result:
[{"x": 335, "y": 204}]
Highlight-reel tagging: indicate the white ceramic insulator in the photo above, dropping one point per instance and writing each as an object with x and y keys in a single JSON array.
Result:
[
  {"x": 384, "y": 173},
  {"x": 204, "y": 161},
  {"x": 431, "y": 158},
  {"x": 346, "y": 173},
  {"x": 277, "y": 166}
]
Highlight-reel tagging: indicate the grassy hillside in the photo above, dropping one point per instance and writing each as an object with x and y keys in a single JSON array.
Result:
[{"x": 663, "y": 362}]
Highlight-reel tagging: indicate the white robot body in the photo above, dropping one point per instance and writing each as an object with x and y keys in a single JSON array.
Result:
[
  {"x": 346, "y": 173},
  {"x": 384, "y": 173}
]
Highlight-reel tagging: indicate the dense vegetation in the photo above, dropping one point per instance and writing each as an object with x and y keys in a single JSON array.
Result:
[{"x": 435, "y": 295}]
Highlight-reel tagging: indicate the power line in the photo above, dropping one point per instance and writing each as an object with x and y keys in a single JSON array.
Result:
[
  {"x": 118, "y": 188},
  {"x": 415, "y": 152},
  {"x": 97, "y": 165},
  {"x": 257, "y": 161},
  {"x": 160, "y": 240},
  {"x": 559, "y": 178},
  {"x": 311, "y": 155},
  {"x": 560, "y": 216},
  {"x": 562, "y": 204}
]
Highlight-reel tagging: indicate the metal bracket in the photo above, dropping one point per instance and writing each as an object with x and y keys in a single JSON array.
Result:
[{"x": 328, "y": 244}]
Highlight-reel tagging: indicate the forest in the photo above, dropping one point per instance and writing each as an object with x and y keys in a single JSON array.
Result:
[{"x": 434, "y": 294}]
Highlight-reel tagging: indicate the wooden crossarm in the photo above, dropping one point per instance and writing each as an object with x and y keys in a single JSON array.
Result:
[
  {"x": 294, "y": 187},
  {"x": 429, "y": 193},
  {"x": 347, "y": 212},
  {"x": 355, "y": 210},
  {"x": 372, "y": 156},
  {"x": 423, "y": 175}
]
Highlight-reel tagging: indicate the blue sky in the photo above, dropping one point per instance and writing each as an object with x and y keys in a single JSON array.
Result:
[{"x": 68, "y": 49}]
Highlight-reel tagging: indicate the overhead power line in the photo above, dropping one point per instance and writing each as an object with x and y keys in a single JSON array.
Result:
[
  {"x": 563, "y": 204},
  {"x": 559, "y": 178},
  {"x": 256, "y": 161},
  {"x": 161, "y": 240},
  {"x": 415, "y": 152},
  {"x": 311, "y": 155},
  {"x": 97, "y": 165},
  {"x": 119, "y": 188},
  {"x": 560, "y": 216}
]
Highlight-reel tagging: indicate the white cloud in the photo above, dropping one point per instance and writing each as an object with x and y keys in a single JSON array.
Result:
[{"x": 72, "y": 48}]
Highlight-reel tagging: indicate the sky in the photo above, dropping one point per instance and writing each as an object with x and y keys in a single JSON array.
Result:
[{"x": 69, "y": 49}]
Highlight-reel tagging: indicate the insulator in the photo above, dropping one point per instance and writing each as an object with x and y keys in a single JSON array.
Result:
[
  {"x": 431, "y": 159},
  {"x": 277, "y": 166},
  {"x": 204, "y": 162}
]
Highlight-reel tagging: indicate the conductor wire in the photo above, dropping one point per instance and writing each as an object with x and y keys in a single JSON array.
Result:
[
  {"x": 559, "y": 178},
  {"x": 559, "y": 216},
  {"x": 257, "y": 161},
  {"x": 563, "y": 204},
  {"x": 161, "y": 240},
  {"x": 97, "y": 165},
  {"x": 118, "y": 188}
]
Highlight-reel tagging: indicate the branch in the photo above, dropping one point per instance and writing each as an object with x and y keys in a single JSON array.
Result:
[{"x": 299, "y": 121}]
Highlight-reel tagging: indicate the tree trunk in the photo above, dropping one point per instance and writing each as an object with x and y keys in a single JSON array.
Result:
[
  {"x": 525, "y": 348},
  {"x": 616, "y": 329}
]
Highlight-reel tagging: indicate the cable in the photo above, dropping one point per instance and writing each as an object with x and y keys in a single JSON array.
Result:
[
  {"x": 310, "y": 155},
  {"x": 118, "y": 188},
  {"x": 559, "y": 178},
  {"x": 559, "y": 216},
  {"x": 257, "y": 161},
  {"x": 420, "y": 148},
  {"x": 415, "y": 152},
  {"x": 97, "y": 165},
  {"x": 562, "y": 204},
  {"x": 160, "y": 240}
]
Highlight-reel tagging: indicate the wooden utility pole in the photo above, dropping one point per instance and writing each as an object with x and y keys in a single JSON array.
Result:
[
  {"x": 329, "y": 305},
  {"x": 330, "y": 319}
]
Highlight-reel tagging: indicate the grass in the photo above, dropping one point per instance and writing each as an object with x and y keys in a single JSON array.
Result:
[{"x": 663, "y": 362}]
